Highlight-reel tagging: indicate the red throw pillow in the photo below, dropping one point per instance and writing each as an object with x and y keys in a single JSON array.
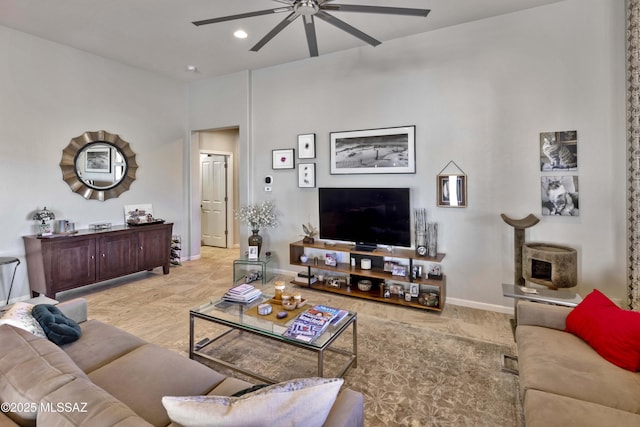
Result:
[{"x": 613, "y": 332}]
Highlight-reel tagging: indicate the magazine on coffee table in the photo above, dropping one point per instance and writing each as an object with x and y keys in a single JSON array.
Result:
[{"x": 310, "y": 324}]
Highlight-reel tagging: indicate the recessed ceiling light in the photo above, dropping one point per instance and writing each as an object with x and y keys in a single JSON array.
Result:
[
  {"x": 241, "y": 34},
  {"x": 192, "y": 68}
]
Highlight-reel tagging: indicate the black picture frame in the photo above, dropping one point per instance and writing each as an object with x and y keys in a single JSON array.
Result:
[{"x": 374, "y": 151}]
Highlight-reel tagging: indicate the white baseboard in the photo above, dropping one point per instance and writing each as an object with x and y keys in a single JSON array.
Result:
[{"x": 480, "y": 305}]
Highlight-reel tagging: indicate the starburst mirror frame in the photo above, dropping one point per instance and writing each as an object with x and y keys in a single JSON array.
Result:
[{"x": 86, "y": 188}]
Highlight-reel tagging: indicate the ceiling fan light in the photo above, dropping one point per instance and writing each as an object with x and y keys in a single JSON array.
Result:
[{"x": 240, "y": 34}]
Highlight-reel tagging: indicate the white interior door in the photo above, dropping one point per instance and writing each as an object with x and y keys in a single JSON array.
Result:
[{"x": 213, "y": 200}]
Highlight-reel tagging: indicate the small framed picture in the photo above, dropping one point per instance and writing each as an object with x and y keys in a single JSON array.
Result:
[
  {"x": 307, "y": 146},
  {"x": 399, "y": 270},
  {"x": 452, "y": 191},
  {"x": 283, "y": 159},
  {"x": 414, "y": 289},
  {"x": 253, "y": 252},
  {"x": 307, "y": 175},
  {"x": 98, "y": 160}
]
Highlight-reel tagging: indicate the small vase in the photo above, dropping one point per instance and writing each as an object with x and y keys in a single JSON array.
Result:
[{"x": 256, "y": 240}]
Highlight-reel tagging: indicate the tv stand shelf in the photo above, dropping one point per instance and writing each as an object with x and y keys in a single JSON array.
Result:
[{"x": 297, "y": 249}]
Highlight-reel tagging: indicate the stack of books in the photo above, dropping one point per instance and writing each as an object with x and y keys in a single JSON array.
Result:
[
  {"x": 242, "y": 293},
  {"x": 310, "y": 324}
]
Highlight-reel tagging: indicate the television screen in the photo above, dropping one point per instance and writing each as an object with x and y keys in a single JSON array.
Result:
[{"x": 366, "y": 216}]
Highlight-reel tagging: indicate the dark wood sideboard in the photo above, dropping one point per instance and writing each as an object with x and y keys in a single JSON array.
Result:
[{"x": 62, "y": 262}]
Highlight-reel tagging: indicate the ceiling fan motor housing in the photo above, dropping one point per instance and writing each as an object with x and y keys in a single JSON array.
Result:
[{"x": 306, "y": 7}]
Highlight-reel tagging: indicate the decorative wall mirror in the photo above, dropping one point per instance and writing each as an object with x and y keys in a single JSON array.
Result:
[
  {"x": 452, "y": 187},
  {"x": 98, "y": 165}
]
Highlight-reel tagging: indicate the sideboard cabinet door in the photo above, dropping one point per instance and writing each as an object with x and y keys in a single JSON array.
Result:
[
  {"x": 154, "y": 247},
  {"x": 69, "y": 263},
  {"x": 116, "y": 255}
]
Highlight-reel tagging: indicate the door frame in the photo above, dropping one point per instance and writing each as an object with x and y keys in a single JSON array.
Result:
[{"x": 231, "y": 243}]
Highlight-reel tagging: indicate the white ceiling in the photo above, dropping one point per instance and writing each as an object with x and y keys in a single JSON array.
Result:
[{"x": 157, "y": 35}]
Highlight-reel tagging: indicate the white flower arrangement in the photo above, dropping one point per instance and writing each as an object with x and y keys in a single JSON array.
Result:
[{"x": 258, "y": 216}]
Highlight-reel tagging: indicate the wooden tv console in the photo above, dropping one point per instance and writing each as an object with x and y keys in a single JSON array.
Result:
[
  {"x": 62, "y": 262},
  {"x": 376, "y": 274}
]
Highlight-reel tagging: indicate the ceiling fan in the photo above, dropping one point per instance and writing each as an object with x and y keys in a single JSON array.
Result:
[{"x": 309, "y": 9}]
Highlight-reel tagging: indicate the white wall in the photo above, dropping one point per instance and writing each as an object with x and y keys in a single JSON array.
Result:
[
  {"x": 218, "y": 103},
  {"x": 50, "y": 93},
  {"x": 479, "y": 94}
]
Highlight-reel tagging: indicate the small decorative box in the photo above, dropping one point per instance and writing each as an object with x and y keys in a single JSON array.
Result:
[
  {"x": 264, "y": 309},
  {"x": 100, "y": 226}
]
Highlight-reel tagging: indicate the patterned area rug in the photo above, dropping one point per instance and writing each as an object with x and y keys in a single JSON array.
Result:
[{"x": 409, "y": 376}]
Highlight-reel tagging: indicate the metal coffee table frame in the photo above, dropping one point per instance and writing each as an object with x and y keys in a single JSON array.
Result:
[{"x": 211, "y": 313}]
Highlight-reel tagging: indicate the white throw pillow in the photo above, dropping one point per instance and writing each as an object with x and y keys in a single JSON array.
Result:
[
  {"x": 304, "y": 401},
  {"x": 19, "y": 315}
]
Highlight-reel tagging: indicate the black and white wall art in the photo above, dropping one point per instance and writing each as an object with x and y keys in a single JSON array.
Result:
[{"x": 388, "y": 150}]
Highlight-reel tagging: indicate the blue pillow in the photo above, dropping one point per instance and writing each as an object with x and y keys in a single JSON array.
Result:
[{"x": 57, "y": 327}]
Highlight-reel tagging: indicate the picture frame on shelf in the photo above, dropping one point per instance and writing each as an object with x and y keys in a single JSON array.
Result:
[
  {"x": 283, "y": 158},
  {"x": 452, "y": 190},
  {"x": 374, "y": 151},
  {"x": 252, "y": 254},
  {"x": 414, "y": 290},
  {"x": 307, "y": 146},
  {"x": 307, "y": 175}
]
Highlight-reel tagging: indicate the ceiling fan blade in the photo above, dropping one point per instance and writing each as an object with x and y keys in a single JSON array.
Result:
[
  {"x": 346, "y": 27},
  {"x": 271, "y": 34},
  {"x": 243, "y": 15},
  {"x": 375, "y": 9},
  {"x": 310, "y": 30}
]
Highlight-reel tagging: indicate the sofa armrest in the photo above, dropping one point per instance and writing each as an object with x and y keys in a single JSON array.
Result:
[
  {"x": 546, "y": 315},
  {"x": 75, "y": 309},
  {"x": 347, "y": 410}
]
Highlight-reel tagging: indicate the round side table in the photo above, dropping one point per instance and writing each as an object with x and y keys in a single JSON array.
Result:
[{"x": 10, "y": 260}]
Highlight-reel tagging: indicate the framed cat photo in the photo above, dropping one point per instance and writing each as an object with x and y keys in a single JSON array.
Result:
[
  {"x": 559, "y": 151},
  {"x": 560, "y": 195}
]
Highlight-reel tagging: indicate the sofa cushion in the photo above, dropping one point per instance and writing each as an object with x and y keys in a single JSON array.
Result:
[
  {"x": 561, "y": 363},
  {"x": 613, "y": 332},
  {"x": 82, "y": 403},
  {"x": 30, "y": 368},
  {"x": 550, "y": 410},
  {"x": 100, "y": 344},
  {"x": 58, "y": 327},
  {"x": 143, "y": 376},
  {"x": 296, "y": 402},
  {"x": 20, "y": 316}
]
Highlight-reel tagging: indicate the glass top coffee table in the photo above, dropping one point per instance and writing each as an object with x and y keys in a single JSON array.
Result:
[{"x": 234, "y": 316}]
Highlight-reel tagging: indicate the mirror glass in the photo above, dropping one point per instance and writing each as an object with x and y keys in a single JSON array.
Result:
[{"x": 98, "y": 165}]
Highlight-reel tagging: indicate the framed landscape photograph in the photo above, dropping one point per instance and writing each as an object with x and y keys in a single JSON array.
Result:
[
  {"x": 388, "y": 150},
  {"x": 307, "y": 175},
  {"x": 98, "y": 160},
  {"x": 283, "y": 159},
  {"x": 307, "y": 146}
]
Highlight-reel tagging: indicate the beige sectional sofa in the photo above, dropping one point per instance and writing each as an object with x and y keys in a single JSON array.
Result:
[
  {"x": 111, "y": 378},
  {"x": 563, "y": 381}
]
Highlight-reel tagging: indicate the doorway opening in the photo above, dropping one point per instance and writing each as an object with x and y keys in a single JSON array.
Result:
[{"x": 218, "y": 153}]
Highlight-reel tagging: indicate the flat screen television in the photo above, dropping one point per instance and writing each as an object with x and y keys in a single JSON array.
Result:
[{"x": 366, "y": 216}]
